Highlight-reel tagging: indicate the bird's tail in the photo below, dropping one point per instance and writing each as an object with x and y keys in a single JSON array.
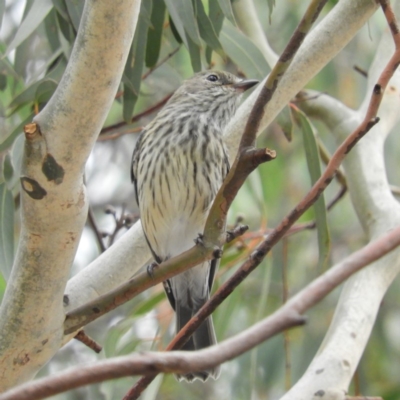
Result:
[{"x": 204, "y": 336}]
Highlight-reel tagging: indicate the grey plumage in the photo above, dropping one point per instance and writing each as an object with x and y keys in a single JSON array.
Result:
[{"x": 178, "y": 166}]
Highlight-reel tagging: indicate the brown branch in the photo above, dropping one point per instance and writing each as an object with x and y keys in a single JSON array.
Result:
[
  {"x": 88, "y": 341},
  {"x": 289, "y": 315},
  {"x": 97, "y": 233}
]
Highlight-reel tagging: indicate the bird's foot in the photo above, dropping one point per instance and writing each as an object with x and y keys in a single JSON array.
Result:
[
  {"x": 150, "y": 269},
  {"x": 217, "y": 253},
  {"x": 199, "y": 240}
]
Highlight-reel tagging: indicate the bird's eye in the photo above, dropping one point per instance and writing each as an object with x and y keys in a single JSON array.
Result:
[{"x": 212, "y": 78}]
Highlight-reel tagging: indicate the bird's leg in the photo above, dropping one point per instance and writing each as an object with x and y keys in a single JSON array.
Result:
[
  {"x": 199, "y": 240},
  {"x": 150, "y": 269},
  {"x": 217, "y": 252}
]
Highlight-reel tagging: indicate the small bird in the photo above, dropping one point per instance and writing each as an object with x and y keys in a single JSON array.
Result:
[{"x": 178, "y": 165}]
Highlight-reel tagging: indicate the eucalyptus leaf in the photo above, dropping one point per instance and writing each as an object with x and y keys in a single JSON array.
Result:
[
  {"x": 226, "y": 7},
  {"x": 51, "y": 28},
  {"x": 29, "y": 94},
  {"x": 8, "y": 170},
  {"x": 154, "y": 34},
  {"x": 7, "y": 143},
  {"x": 216, "y": 16},
  {"x": 243, "y": 52},
  {"x": 61, "y": 8},
  {"x": 195, "y": 55},
  {"x": 34, "y": 17},
  {"x": 148, "y": 304},
  {"x": 75, "y": 10},
  {"x": 2, "y": 9},
  {"x": 271, "y": 5},
  {"x": 314, "y": 168},
  {"x": 206, "y": 29},
  {"x": 183, "y": 15},
  {"x": 6, "y": 231},
  {"x": 284, "y": 120},
  {"x": 134, "y": 67}
]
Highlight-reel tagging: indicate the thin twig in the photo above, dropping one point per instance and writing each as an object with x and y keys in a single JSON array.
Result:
[
  {"x": 88, "y": 341},
  {"x": 99, "y": 236}
]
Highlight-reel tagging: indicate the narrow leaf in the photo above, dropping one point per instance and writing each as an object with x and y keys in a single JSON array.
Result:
[
  {"x": 8, "y": 170},
  {"x": 284, "y": 120},
  {"x": 226, "y": 7},
  {"x": 34, "y": 17},
  {"x": 243, "y": 52},
  {"x": 148, "y": 304},
  {"x": 206, "y": 29},
  {"x": 154, "y": 34},
  {"x": 134, "y": 67},
  {"x": 7, "y": 143},
  {"x": 75, "y": 10},
  {"x": 217, "y": 18},
  {"x": 6, "y": 231},
  {"x": 2, "y": 9},
  {"x": 314, "y": 168},
  {"x": 195, "y": 57},
  {"x": 182, "y": 13}
]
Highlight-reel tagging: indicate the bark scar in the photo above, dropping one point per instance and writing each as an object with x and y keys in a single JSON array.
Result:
[{"x": 52, "y": 170}]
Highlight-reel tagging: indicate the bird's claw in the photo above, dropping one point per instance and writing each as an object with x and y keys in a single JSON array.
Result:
[
  {"x": 150, "y": 269},
  {"x": 217, "y": 253},
  {"x": 199, "y": 240}
]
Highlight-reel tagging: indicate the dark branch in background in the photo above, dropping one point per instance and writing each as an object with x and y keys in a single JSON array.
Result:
[
  {"x": 97, "y": 233},
  {"x": 289, "y": 315}
]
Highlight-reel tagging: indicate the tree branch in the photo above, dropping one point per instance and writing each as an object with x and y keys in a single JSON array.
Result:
[
  {"x": 53, "y": 200},
  {"x": 289, "y": 315}
]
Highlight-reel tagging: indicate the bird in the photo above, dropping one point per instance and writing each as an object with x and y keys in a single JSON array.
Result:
[{"x": 178, "y": 165}]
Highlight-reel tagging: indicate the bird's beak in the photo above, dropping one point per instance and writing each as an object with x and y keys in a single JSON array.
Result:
[{"x": 245, "y": 84}]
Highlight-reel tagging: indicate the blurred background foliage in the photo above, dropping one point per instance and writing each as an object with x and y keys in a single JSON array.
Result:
[{"x": 173, "y": 39}]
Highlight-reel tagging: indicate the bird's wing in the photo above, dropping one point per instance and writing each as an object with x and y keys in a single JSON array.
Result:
[
  {"x": 134, "y": 174},
  {"x": 135, "y": 163}
]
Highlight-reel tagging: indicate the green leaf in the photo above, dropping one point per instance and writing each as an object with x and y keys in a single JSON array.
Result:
[
  {"x": 51, "y": 28},
  {"x": 30, "y": 93},
  {"x": 149, "y": 304},
  {"x": 2, "y": 9},
  {"x": 271, "y": 5},
  {"x": 134, "y": 67},
  {"x": 6, "y": 231},
  {"x": 206, "y": 29},
  {"x": 7, "y": 143},
  {"x": 182, "y": 13},
  {"x": 314, "y": 168},
  {"x": 8, "y": 170},
  {"x": 195, "y": 56},
  {"x": 174, "y": 31},
  {"x": 61, "y": 8},
  {"x": 284, "y": 120},
  {"x": 154, "y": 34},
  {"x": 75, "y": 10},
  {"x": 34, "y": 17},
  {"x": 226, "y": 7},
  {"x": 217, "y": 18},
  {"x": 243, "y": 52}
]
